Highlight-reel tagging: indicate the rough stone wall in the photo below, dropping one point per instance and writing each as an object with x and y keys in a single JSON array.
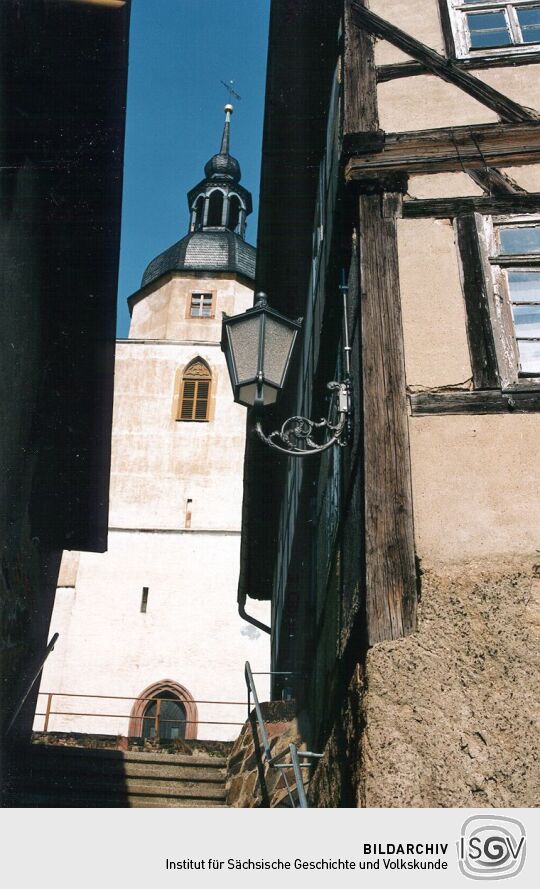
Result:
[
  {"x": 335, "y": 782},
  {"x": 250, "y": 782},
  {"x": 448, "y": 716},
  {"x": 121, "y": 742}
]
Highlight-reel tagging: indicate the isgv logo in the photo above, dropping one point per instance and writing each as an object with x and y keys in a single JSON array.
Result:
[{"x": 491, "y": 847}]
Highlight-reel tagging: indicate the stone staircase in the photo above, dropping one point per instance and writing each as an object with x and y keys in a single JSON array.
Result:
[{"x": 82, "y": 777}]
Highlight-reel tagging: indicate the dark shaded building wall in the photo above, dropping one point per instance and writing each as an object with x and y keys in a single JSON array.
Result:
[
  {"x": 411, "y": 707},
  {"x": 62, "y": 107}
]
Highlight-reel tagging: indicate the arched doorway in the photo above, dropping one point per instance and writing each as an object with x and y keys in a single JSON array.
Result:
[{"x": 164, "y": 710}]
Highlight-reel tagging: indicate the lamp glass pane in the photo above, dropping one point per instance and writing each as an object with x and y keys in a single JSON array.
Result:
[
  {"x": 278, "y": 339},
  {"x": 247, "y": 393},
  {"x": 244, "y": 338}
]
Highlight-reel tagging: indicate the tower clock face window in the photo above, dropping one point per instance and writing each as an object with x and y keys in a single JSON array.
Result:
[{"x": 202, "y": 305}]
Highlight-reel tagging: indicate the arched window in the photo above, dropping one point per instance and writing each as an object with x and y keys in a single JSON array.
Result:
[
  {"x": 215, "y": 208},
  {"x": 195, "y": 395},
  {"x": 164, "y": 717},
  {"x": 164, "y": 710},
  {"x": 198, "y": 213},
  {"x": 234, "y": 212}
]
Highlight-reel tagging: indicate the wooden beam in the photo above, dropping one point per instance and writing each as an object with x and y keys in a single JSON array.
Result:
[
  {"x": 505, "y": 107},
  {"x": 415, "y": 69},
  {"x": 493, "y": 182},
  {"x": 389, "y": 538},
  {"x": 449, "y": 208},
  {"x": 360, "y": 113},
  {"x": 480, "y": 402},
  {"x": 479, "y": 326},
  {"x": 447, "y": 29},
  {"x": 447, "y": 150}
]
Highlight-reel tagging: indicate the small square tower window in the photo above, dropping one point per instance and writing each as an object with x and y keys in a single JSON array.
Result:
[{"x": 202, "y": 305}]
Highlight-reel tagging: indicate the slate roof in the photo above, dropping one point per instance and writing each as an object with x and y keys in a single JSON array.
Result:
[{"x": 211, "y": 250}]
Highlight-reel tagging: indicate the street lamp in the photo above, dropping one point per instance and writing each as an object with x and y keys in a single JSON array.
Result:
[{"x": 258, "y": 346}]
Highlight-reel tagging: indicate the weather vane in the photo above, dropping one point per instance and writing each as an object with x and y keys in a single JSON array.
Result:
[{"x": 229, "y": 87}]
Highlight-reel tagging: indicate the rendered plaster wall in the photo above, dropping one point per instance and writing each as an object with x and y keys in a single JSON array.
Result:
[
  {"x": 474, "y": 476},
  {"x": 447, "y": 717},
  {"x": 451, "y": 712},
  {"x": 163, "y": 313},
  {"x": 191, "y": 632},
  {"x": 158, "y": 462},
  {"x": 186, "y": 553},
  {"x": 420, "y": 18},
  {"x": 425, "y": 101}
]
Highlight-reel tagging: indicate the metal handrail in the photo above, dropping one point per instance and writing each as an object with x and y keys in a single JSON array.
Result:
[
  {"x": 48, "y": 695},
  {"x": 292, "y": 751},
  {"x": 20, "y": 705}
]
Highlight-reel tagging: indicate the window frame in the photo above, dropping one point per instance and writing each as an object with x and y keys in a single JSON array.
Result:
[
  {"x": 202, "y": 294},
  {"x": 458, "y": 10},
  {"x": 502, "y": 316},
  {"x": 189, "y": 377}
]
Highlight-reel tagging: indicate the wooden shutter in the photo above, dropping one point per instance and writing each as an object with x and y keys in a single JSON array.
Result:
[
  {"x": 201, "y": 400},
  {"x": 195, "y": 399},
  {"x": 188, "y": 400}
]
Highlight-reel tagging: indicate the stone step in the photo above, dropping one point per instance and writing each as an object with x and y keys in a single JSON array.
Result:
[
  {"x": 189, "y": 771},
  {"x": 33, "y": 799},
  {"x": 119, "y": 756},
  {"x": 121, "y": 787},
  {"x": 50, "y": 776}
]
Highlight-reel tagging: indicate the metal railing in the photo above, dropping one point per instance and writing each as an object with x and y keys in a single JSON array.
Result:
[
  {"x": 30, "y": 686},
  {"x": 292, "y": 750},
  {"x": 96, "y": 713}
]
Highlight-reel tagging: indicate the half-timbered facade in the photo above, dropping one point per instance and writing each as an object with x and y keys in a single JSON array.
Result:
[{"x": 402, "y": 155}]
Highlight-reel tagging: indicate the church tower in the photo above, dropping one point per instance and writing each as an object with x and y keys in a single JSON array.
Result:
[{"x": 156, "y": 616}]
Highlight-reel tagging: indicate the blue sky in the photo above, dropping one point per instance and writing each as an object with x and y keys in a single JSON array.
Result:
[{"x": 180, "y": 50}]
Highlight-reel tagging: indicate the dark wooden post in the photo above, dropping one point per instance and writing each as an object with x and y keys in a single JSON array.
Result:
[
  {"x": 359, "y": 78},
  {"x": 389, "y": 545}
]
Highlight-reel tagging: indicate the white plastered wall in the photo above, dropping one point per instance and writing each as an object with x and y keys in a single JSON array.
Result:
[{"x": 191, "y": 632}]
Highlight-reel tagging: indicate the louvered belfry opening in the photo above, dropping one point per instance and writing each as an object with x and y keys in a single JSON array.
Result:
[{"x": 195, "y": 399}]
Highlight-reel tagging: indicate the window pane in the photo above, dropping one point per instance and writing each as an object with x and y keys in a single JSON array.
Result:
[
  {"x": 201, "y": 305},
  {"x": 524, "y": 286},
  {"x": 488, "y": 29},
  {"x": 525, "y": 239},
  {"x": 527, "y": 321},
  {"x": 529, "y": 20},
  {"x": 529, "y": 353}
]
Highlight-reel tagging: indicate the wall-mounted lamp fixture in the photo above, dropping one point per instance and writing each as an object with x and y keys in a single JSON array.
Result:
[{"x": 258, "y": 346}]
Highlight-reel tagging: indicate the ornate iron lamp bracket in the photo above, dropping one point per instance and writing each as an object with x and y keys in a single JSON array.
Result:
[{"x": 296, "y": 436}]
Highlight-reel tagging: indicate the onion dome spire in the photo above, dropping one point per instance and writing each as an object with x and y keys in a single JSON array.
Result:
[
  {"x": 226, "y": 130},
  {"x": 218, "y": 206},
  {"x": 223, "y": 165}
]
